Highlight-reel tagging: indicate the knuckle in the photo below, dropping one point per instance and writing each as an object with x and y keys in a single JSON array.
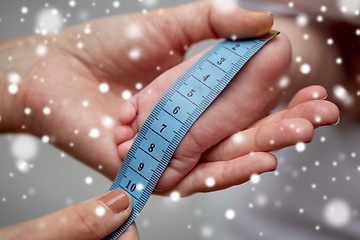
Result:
[{"x": 88, "y": 223}]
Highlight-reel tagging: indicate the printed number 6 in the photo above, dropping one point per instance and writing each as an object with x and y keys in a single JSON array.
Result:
[{"x": 176, "y": 110}]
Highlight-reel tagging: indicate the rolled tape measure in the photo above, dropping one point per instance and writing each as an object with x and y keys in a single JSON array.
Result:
[{"x": 173, "y": 116}]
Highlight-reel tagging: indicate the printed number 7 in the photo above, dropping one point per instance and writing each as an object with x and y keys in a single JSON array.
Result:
[{"x": 163, "y": 127}]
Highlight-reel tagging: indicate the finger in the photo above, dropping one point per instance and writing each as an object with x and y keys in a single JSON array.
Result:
[
  {"x": 124, "y": 148},
  {"x": 212, "y": 176},
  {"x": 318, "y": 112},
  {"x": 308, "y": 93},
  {"x": 219, "y": 18},
  {"x": 91, "y": 219},
  {"x": 123, "y": 133},
  {"x": 269, "y": 137},
  {"x": 130, "y": 234},
  {"x": 127, "y": 112},
  {"x": 160, "y": 38}
]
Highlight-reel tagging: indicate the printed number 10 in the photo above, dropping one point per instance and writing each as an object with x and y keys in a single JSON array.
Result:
[{"x": 132, "y": 187}]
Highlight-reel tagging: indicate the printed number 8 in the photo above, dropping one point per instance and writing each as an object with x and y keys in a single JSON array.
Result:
[
  {"x": 151, "y": 148},
  {"x": 220, "y": 61}
]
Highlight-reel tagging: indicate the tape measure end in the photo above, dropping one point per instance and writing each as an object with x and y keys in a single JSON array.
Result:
[{"x": 270, "y": 34}]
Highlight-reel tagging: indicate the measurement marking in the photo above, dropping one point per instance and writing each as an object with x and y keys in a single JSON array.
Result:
[
  {"x": 173, "y": 116},
  {"x": 139, "y": 173},
  {"x": 159, "y": 134},
  {"x": 129, "y": 193},
  {"x": 149, "y": 154},
  {"x": 202, "y": 82},
  {"x": 216, "y": 65},
  {"x": 233, "y": 51},
  {"x": 187, "y": 98}
]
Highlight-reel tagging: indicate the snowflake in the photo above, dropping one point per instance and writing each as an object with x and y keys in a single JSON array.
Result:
[
  {"x": 337, "y": 213},
  {"x": 45, "y": 139},
  {"x": 255, "y": 178},
  {"x": 88, "y": 180},
  {"x": 41, "y": 50},
  {"x": 342, "y": 94},
  {"x": 116, "y": 4},
  {"x": 72, "y": 3},
  {"x": 94, "y": 133},
  {"x": 13, "y": 88},
  {"x": 230, "y": 214},
  {"x": 24, "y": 147},
  {"x": 46, "y": 110},
  {"x": 126, "y": 95},
  {"x": 104, "y": 87},
  {"x": 210, "y": 182},
  {"x": 302, "y": 20},
  {"x": 134, "y": 54},
  {"x": 24, "y": 10},
  {"x": 175, "y": 196},
  {"x": 300, "y": 147},
  {"x": 48, "y": 21},
  {"x": 305, "y": 68},
  {"x": 100, "y": 211}
]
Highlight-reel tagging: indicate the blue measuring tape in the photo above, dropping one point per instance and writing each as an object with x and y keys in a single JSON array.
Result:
[{"x": 173, "y": 116}]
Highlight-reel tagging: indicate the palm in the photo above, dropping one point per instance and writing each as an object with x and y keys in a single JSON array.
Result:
[
  {"x": 77, "y": 77},
  {"x": 71, "y": 120}
]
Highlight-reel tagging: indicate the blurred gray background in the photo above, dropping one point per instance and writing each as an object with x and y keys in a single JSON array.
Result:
[{"x": 314, "y": 194}]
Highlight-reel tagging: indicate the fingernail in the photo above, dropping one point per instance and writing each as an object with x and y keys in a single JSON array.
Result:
[
  {"x": 116, "y": 200},
  {"x": 263, "y": 12},
  {"x": 337, "y": 122},
  {"x": 269, "y": 13}
]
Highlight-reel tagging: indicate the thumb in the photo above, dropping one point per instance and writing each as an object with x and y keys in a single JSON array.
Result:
[
  {"x": 91, "y": 219},
  {"x": 220, "y": 19}
]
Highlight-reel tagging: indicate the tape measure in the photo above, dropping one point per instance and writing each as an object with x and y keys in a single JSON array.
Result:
[{"x": 173, "y": 116}]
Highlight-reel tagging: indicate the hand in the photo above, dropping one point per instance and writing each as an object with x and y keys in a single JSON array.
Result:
[
  {"x": 338, "y": 72},
  {"x": 233, "y": 160},
  {"x": 91, "y": 219},
  {"x": 67, "y": 76}
]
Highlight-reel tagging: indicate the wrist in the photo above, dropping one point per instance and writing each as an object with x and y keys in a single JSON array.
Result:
[{"x": 17, "y": 60}]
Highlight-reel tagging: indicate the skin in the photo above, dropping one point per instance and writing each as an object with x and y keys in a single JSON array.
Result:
[
  {"x": 226, "y": 116},
  {"x": 66, "y": 76},
  {"x": 322, "y": 57}
]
